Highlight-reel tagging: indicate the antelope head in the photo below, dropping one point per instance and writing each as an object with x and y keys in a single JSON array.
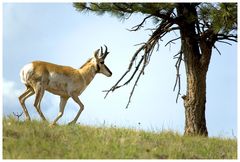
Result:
[{"x": 100, "y": 56}]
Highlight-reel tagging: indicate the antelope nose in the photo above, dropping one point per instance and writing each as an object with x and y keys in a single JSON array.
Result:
[{"x": 110, "y": 74}]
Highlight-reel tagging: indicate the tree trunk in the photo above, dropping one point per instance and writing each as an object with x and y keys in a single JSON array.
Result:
[
  {"x": 194, "y": 103},
  {"x": 196, "y": 64},
  {"x": 195, "y": 98}
]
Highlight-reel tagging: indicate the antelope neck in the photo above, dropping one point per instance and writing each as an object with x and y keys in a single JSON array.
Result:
[{"x": 88, "y": 72}]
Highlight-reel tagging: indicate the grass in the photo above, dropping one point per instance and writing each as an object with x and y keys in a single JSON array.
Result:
[{"x": 35, "y": 140}]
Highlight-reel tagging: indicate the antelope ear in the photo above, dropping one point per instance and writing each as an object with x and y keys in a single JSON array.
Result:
[{"x": 96, "y": 53}]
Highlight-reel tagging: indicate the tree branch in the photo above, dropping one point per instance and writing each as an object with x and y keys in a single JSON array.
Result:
[
  {"x": 148, "y": 48},
  {"x": 217, "y": 50},
  {"x": 137, "y": 27},
  {"x": 226, "y": 37},
  {"x": 136, "y": 69},
  {"x": 166, "y": 17},
  {"x": 172, "y": 41},
  {"x": 224, "y": 42},
  {"x": 135, "y": 84},
  {"x": 115, "y": 86},
  {"x": 178, "y": 79}
]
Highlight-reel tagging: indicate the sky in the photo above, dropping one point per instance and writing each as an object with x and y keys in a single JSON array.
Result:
[{"x": 57, "y": 33}]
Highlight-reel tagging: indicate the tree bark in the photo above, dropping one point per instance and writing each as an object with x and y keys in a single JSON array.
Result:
[
  {"x": 194, "y": 103},
  {"x": 196, "y": 64},
  {"x": 195, "y": 98}
]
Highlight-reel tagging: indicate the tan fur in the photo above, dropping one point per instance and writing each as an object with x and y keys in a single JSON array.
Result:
[{"x": 64, "y": 81}]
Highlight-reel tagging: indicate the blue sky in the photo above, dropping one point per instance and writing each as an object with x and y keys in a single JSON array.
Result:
[{"x": 56, "y": 33}]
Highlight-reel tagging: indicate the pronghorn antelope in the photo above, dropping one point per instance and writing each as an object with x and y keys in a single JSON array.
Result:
[{"x": 63, "y": 81}]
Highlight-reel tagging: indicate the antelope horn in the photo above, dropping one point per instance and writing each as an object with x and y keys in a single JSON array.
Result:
[
  {"x": 101, "y": 55},
  {"x": 106, "y": 52}
]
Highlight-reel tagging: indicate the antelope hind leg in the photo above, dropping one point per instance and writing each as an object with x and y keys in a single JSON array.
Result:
[{"x": 29, "y": 92}]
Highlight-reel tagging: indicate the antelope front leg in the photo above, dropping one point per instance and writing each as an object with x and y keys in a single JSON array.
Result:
[
  {"x": 76, "y": 99},
  {"x": 63, "y": 101}
]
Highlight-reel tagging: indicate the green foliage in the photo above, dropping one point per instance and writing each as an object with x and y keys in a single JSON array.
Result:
[
  {"x": 222, "y": 17},
  {"x": 124, "y": 10},
  {"x": 35, "y": 140}
]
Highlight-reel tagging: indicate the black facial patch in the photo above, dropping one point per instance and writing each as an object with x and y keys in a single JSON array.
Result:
[{"x": 98, "y": 68}]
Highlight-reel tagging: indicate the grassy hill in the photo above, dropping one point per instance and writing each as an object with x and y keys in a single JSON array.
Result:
[{"x": 35, "y": 140}]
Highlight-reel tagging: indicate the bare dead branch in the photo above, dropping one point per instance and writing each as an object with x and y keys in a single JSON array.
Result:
[
  {"x": 230, "y": 39},
  {"x": 136, "y": 69},
  {"x": 224, "y": 42},
  {"x": 148, "y": 48},
  {"x": 173, "y": 29},
  {"x": 151, "y": 29},
  {"x": 178, "y": 79},
  {"x": 167, "y": 17},
  {"x": 137, "y": 27},
  {"x": 18, "y": 115},
  {"x": 135, "y": 84},
  {"x": 140, "y": 44},
  {"x": 176, "y": 55},
  {"x": 227, "y": 37},
  {"x": 217, "y": 50},
  {"x": 172, "y": 41},
  {"x": 158, "y": 45},
  {"x": 115, "y": 86}
]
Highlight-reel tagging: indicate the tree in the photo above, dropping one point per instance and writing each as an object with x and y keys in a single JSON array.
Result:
[{"x": 201, "y": 25}]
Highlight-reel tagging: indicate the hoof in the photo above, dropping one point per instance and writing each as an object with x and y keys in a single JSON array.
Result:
[
  {"x": 52, "y": 125},
  {"x": 28, "y": 119}
]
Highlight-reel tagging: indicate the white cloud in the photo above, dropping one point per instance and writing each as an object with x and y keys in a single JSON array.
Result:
[
  {"x": 10, "y": 90},
  {"x": 10, "y": 97}
]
